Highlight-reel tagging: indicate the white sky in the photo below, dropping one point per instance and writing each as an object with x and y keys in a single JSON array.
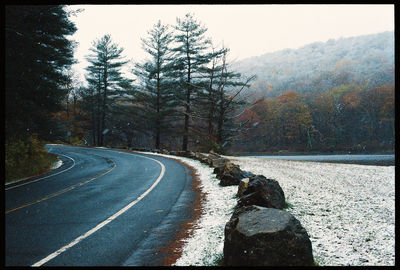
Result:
[{"x": 248, "y": 30}]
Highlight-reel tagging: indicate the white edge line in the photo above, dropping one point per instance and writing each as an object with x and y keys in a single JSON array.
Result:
[
  {"x": 30, "y": 182},
  {"x": 108, "y": 220}
]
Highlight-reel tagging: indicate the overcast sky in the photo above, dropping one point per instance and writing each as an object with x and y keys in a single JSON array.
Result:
[{"x": 248, "y": 30}]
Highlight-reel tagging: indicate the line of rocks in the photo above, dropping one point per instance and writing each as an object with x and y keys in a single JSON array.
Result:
[{"x": 259, "y": 232}]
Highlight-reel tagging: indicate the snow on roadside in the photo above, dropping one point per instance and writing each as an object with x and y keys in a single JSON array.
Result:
[
  {"x": 348, "y": 210},
  {"x": 206, "y": 244},
  {"x": 56, "y": 165}
]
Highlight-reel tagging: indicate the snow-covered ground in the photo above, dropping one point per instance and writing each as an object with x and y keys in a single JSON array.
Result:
[
  {"x": 206, "y": 245},
  {"x": 348, "y": 210}
]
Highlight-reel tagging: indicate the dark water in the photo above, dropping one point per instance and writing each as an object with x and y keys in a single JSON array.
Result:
[{"x": 383, "y": 160}]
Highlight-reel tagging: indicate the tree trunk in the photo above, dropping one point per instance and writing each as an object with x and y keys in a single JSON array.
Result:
[
  {"x": 212, "y": 106},
  {"x": 219, "y": 127},
  {"x": 186, "y": 127},
  {"x": 98, "y": 125},
  {"x": 210, "y": 122},
  {"x": 103, "y": 116},
  {"x": 158, "y": 122},
  {"x": 93, "y": 125}
]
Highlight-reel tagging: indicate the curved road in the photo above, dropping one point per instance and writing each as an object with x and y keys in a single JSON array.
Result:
[{"x": 100, "y": 208}]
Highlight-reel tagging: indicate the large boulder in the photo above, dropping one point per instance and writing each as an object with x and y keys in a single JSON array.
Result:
[
  {"x": 242, "y": 186},
  {"x": 219, "y": 169},
  {"x": 263, "y": 192},
  {"x": 212, "y": 157},
  {"x": 201, "y": 157},
  {"x": 181, "y": 153},
  {"x": 246, "y": 174},
  {"x": 190, "y": 154},
  {"x": 165, "y": 151},
  {"x": 219, "y": 162},
  {"x": 260, "y": 236},
  {"x": 231, "y": 174}
]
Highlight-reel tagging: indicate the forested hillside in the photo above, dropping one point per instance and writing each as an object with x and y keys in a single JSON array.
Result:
[
  {"x": 363, "y": 60},
  {"x": 326, "y": 97}
]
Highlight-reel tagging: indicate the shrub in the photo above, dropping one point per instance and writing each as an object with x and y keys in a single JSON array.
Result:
[
  {"x": 24, "y": 158},
  {"x": 76, "y": 141}
]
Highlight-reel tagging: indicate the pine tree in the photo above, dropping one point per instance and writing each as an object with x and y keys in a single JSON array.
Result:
[
  {"x": 37, "y": 54},
  {"x": 229, "y": 85},
  {"x": 106, "y": 81},
  {"x": 191, "y": 57},
  {"x": 156, "y": 95},
  {"x": 206, "y": 107}
]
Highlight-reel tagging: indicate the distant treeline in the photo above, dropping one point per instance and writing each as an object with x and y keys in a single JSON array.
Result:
[
  {"x": 363, "y": 60},
  {"x": 344, "y": 118}
]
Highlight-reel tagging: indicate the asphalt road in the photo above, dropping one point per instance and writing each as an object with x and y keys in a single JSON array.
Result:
[{"x": 100, "y": 208}]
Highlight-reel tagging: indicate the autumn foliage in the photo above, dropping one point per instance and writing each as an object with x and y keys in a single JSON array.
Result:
[{"x": 345, "y": 118}]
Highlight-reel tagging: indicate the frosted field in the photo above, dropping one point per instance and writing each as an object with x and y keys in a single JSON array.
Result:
[{"x": 348, "y": 210}]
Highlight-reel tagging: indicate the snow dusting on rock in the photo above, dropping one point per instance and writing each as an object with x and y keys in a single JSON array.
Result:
[{"x": 348, "y": 210}]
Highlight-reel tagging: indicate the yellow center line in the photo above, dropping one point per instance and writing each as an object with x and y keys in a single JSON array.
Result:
[{"x": 64, "y": 190}]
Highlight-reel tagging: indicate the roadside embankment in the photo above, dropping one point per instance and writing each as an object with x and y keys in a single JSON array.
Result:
[{"x": 25, "y": 159}]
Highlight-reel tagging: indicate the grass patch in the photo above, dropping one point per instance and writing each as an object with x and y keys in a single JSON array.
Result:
[
  {"x": 287, "y": 205},
  {"x": 219, "y": 261},
  {"x": 25, "y": 158},
  {"x": 319, "y": 261}
]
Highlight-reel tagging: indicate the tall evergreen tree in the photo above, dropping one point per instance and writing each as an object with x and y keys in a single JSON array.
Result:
[
  {"x": 105, "y": 79},
  {"x": 37, "y": 54},
  {"x": 156, "y": 93},
  {"x": 205, "y": 109},
  {"x": 191, "y": 57},
  {"x": 229, "y": 85}
]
